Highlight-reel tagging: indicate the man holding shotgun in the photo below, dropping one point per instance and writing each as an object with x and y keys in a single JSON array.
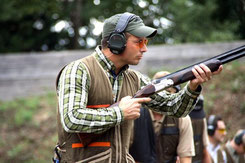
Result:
[{"x": 90, "y": 128}]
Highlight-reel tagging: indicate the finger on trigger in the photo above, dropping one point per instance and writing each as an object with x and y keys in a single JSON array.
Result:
[{"x": 144, "y": 99}]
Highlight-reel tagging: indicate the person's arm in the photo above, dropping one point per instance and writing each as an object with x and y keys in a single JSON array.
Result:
[
  {"x": 185, "y": 148},
  {"x": 185, "y": 159},
  {"x": 73, "y": 89},
  {"x": 177, "y": 105},
  {"x": 181, "y": 104},
  {"x": 206, "y": 156}
]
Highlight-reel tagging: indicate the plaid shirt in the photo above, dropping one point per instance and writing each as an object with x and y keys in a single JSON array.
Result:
[{"x": 73, "y": 87}]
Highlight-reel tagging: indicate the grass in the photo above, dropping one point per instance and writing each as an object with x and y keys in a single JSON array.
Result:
[{"x": 28, "y": 129}]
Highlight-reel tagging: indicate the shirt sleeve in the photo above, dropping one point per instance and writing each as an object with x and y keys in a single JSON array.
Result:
[
  {"x": 178, "y": 105},
  {"x": 73, "y": 96},
  {"x": 186, "y": 143}
]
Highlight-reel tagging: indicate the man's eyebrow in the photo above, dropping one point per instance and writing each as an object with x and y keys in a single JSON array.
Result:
[{"x": 140, "y": 38}]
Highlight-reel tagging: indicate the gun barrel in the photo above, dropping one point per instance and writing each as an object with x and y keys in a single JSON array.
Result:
[
  {"x": 232, "y": 57},
  {"x": 186, "y": 74},
  {"x": 213, "y": 63},
  {"x": 236, "y": 51}
]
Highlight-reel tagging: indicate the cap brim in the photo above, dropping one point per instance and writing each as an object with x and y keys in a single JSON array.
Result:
[{"x": 143, "y": 31}]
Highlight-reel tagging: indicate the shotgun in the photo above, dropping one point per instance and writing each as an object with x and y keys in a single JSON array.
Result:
[
  {"x": 185, "y": 74},
  {"x": 173, "y": 79}
]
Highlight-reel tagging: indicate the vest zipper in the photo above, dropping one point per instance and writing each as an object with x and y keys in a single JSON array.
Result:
[{"x": 119, "y": 129}]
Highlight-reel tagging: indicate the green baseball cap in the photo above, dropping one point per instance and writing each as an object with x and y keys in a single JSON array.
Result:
[{"x": 135, "y": 27}]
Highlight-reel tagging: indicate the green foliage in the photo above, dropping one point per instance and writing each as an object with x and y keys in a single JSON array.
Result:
[
  {"x": 235, "y": 85},
  {"x": 242, "y": 107},
  {"x": 193, "y": 21},
  {"x": 7, "y": 106},
  {"x": 17, "y": 150},
  {"x": 26, "y": 25},
  {"x": 212, "y": 87},
  {"x": 50, "y": 99},
  {"x": 27, "y": 133},
  {"x": 21, "y": 110},
  {"x": 225, "y": 94}
]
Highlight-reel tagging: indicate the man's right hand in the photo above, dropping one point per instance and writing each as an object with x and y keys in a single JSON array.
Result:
[{"x": 131, "y": 106}]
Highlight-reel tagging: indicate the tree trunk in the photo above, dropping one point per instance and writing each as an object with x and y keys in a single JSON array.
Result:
[{"x": 76, "y": 22}]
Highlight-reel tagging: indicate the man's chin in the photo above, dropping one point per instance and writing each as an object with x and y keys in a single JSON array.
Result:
[{"x": 135, "y": 63}]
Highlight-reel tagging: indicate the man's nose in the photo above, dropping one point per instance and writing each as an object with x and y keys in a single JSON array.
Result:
[{"x": 144, "y": 48}]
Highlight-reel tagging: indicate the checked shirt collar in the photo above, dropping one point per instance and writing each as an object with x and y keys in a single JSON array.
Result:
[{"x": 106, "y": 63}]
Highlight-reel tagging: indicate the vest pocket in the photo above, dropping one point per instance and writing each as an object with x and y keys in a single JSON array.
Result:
[{"x": 103, "y": 157}]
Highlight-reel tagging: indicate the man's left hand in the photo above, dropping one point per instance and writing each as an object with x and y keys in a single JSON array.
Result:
[{"x": 202, "y": 74}]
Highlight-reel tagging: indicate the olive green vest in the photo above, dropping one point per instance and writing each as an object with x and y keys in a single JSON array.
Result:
[
  {"x": 220, "y": 157},
  {"x": 198, "y": 126},
  {"x": 167, "y": 140},
  {"x": 229, "y": 158},
  {"x": 111, "y": 146}
]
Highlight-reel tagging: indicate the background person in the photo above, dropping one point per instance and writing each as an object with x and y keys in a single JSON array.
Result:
[
  {"x": 199, "y": 125},
  {"x": 164, "y": 138},
  {"x": 216, "y": 134},
  {"x": 235, "y": 149}
]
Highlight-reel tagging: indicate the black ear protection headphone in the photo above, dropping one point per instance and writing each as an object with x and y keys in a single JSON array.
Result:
[
  {"x": 212, "y": 124},
  {"x": 238, "y": 138},
  {"x": 117, "y": 40}
]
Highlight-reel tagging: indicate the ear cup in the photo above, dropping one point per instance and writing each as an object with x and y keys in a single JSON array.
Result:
[
  {"x": 117, "y": 43},
  {"x": 117, "y": 40},
  {"x": 238, "y": 138},
  {"x": 211, "y": 126}
]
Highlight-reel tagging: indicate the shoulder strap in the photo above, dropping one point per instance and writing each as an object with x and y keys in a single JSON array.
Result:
[{"x": 229, "y": 158}]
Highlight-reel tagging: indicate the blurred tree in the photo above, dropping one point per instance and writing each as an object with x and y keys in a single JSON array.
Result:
[
  {"x": 195, "y": 21},
  {"x": 73, "y": 10},
  {"x": 25, "y": 25},
  {"x": 36, "y": 25},
  {"x": 234, "y": 11}
]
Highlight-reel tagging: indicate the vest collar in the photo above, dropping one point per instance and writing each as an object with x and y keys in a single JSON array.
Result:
[{"x": 153, "y": 118}]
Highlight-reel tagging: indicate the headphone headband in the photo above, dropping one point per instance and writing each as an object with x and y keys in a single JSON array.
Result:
[
  {"x": 212, "y": 120},
  {"x": 123, "y": 22},
  {"x": 117, "y": 40},
  {"x": 238, "y": 138}
]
